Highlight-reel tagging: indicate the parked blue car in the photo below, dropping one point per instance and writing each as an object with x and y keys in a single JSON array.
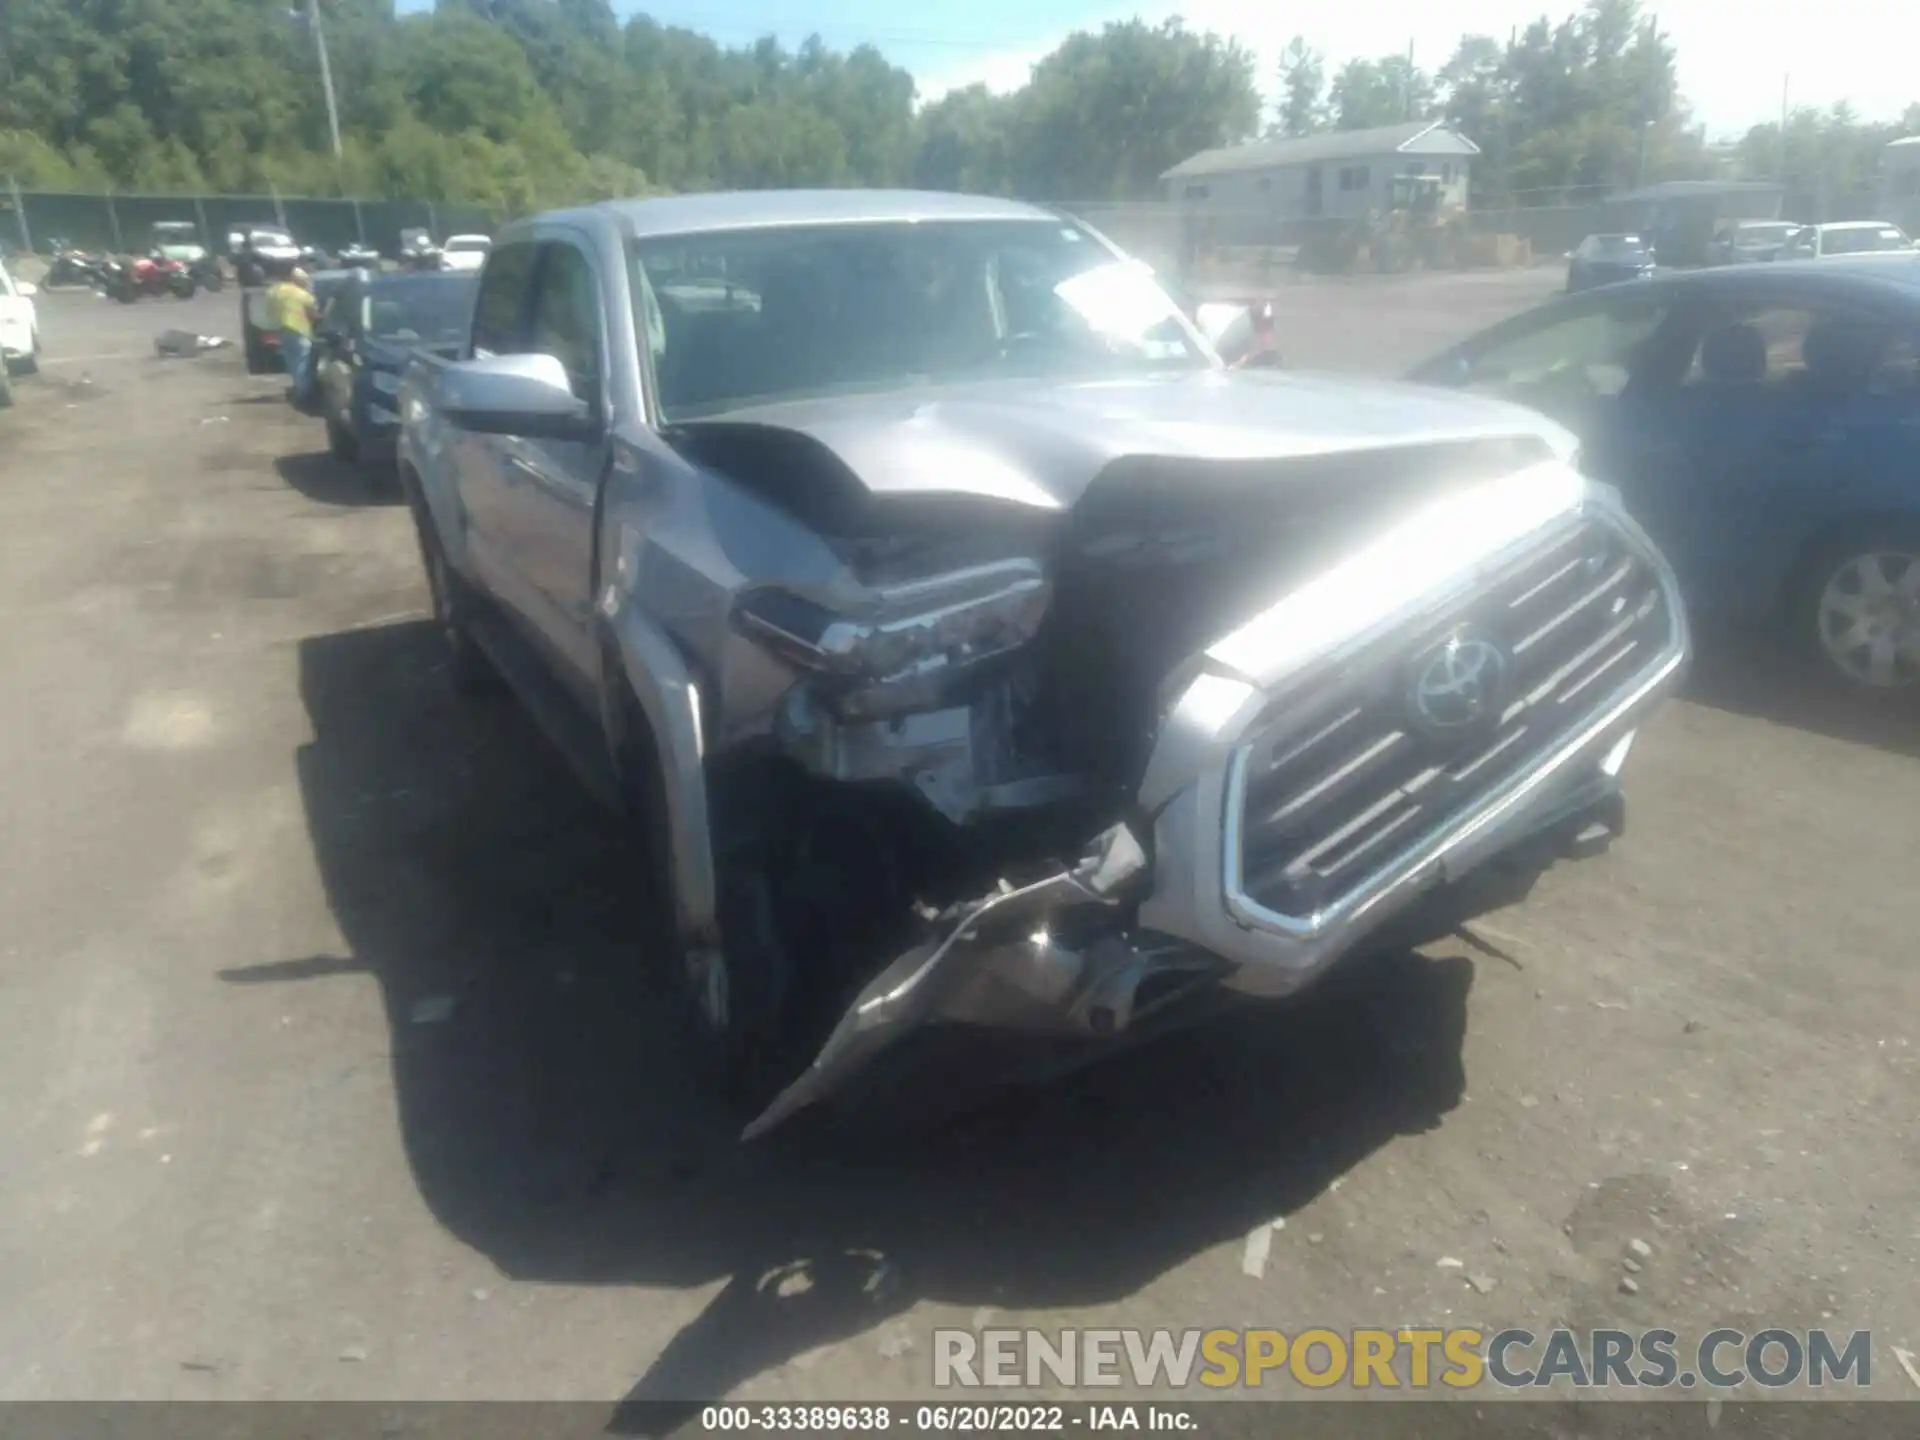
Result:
[
  {"x": 1764, "y": 425},
  {"x": 368, "y": 331},
  {"x": 1608, "y": 260}
]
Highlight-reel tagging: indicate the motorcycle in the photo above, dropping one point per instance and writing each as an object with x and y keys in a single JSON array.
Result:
[
  {"x": 130, "y": 280},
  {"x": 72, "y": 267}
]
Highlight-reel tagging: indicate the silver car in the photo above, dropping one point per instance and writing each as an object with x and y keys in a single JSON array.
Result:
[{"x": 978, "y": 651}]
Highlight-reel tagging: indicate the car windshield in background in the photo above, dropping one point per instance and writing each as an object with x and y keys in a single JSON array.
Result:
[
  {"x": 1763, "y": 234},
  {"x": 742, "y": 316},
  {"x": 1865, "y": 242},
  {"x": 1615, "y": 247},
  {"x": 428, "y": 310}
]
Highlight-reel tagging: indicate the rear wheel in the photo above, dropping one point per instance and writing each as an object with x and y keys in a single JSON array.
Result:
[{"x": 1859, "y": 609}]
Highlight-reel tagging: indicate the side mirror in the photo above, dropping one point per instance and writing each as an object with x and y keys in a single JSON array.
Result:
[
  {"x": 515, "y": 395},
  {"x": 25, "y": 289}
]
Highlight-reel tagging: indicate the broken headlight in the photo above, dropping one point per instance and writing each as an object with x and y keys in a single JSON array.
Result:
[{"x": 914, "y": 639}]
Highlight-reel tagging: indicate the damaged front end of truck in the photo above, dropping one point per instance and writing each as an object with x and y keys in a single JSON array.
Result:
[{"x": 1078, "y": 767}]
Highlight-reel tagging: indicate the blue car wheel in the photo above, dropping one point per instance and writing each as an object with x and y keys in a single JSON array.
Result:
[{"x": 1860, "y": 606}]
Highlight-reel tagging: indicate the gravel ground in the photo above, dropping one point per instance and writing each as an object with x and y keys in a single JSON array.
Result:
[{"x": 328, "y": 1071}]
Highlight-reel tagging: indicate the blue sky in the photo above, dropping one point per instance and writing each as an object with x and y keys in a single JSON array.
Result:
[{"x": 1733, "y": 57}]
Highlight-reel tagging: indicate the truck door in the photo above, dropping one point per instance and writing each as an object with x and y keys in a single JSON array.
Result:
[
  {"x": 551, "y": 485},
  {"x": 501, "y": 315}
]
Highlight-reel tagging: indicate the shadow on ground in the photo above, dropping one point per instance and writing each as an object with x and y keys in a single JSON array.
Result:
[
  {"x": 329, "y": 481},
  {"x": 1758, "y": 675},
  {"x": 549, "y": 1125}
]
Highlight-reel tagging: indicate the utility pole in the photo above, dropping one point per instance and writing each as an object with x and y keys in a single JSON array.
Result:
[
  {"x": 1783, "y": 126},
  {"x": 326, "y": 75}
]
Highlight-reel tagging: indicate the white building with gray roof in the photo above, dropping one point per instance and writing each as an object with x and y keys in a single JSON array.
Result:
[{"x": 1339, "y": 174}]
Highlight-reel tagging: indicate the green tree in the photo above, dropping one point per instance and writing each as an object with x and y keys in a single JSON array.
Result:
[
  {"x": 963, "y": 143},
  {"x": 1107, "y": 114},
  {"x": 1303, "y": 90},
  {"x": 1387, "y": 91}
]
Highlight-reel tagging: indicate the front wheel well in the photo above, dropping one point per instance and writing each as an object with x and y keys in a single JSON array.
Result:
[{"x": 1861, "y": 526}]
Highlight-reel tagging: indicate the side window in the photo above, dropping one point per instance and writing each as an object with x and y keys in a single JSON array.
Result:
[
  {"x": 1591, "y": 354},
  {"x": 566, "y": 318},
  {"x": 1755, "y": 347},
  {"x": 337, "y": 314},
  {"x": 1791, "y": 350},
  {"x": 500, "y": 312}
]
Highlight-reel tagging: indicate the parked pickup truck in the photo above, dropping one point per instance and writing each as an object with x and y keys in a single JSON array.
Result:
[{"x": 979, "y": 652}]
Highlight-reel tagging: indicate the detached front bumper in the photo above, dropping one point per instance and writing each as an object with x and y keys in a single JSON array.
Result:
[{"x": 1187, "y": 902}]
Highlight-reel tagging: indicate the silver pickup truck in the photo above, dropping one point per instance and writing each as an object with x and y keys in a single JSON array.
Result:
[{"x": 981, "y": 654}]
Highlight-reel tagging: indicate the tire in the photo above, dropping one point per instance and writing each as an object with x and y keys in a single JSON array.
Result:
[
  {"x": 29, "y": 363},
  {"x": 1856, "y": 609},
  {"x": 340, "y": 442},
  {"x": 734, "y": 996},
  {"x": 468, "y": 669},
  {"x": 6, "y": 389}
]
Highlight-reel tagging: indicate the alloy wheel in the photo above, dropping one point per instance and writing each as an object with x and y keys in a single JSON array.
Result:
[{"x": 1869, "y": 618}]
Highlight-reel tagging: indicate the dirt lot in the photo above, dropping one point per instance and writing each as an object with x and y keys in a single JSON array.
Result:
[{"x": 328, "y": 1071}]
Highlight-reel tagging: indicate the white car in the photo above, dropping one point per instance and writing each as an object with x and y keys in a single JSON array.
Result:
[
  {"x": 465, "y": 252},
  {"x": 1846, "y": 237},
  {"x": 19, "y": 328}
]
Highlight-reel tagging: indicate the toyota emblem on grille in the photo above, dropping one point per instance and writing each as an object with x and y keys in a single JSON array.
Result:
[{"x": 1458, "y": 684}]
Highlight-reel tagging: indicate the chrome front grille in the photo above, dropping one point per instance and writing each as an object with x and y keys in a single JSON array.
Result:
[{"x": 1411, "y": 736}]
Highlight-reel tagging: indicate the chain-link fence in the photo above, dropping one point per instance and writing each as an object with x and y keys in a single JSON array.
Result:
[
  {"x": 34, "y": 220},
  {"x": 1225, "y": 244}
]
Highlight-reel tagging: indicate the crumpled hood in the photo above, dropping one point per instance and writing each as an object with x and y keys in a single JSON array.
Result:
[{"x": 1042, "y": 443}]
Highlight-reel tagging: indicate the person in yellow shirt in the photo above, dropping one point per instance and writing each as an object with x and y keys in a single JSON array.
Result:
[{"x": 292, "y": 310}]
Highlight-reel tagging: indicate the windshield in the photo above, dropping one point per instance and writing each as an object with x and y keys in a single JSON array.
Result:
[
  {"x": 1762, "y": 234},
  {"x": 1865, "y": 241},
  {"x": 430, "y": 310},
  {"x": 770, "y": 314}
]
